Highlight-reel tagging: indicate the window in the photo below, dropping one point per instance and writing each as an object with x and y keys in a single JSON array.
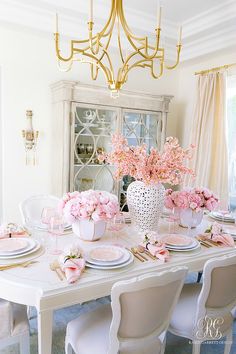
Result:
[{"x": 231, "y": 136}]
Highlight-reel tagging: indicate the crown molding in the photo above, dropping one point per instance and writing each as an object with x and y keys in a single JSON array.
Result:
[{"x": 205, "y": 33}]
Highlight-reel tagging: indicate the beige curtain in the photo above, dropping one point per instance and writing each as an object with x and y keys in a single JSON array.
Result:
[{"x": 210, "y": 161}]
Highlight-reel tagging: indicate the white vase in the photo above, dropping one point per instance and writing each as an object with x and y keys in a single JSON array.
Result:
[
  {"x": 190, "y": 218},
  {"x": 145, "y": 204},
  {"x": 89, "y": 230}
]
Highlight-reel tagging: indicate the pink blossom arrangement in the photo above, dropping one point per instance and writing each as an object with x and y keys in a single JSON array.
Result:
[
  {"x": 195, "y": 199},
  {"x": 90, "y": 205},
  {"x": 167, "y": 166}
]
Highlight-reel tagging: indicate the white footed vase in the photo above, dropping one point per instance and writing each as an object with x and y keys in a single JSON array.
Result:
[
  {"x": 190, "y": 218},
  {"x": 145, "y": 204},
  {"x": 89, "y": 230}
]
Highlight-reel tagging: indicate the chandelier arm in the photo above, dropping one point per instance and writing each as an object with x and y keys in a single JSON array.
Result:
[
  {"x": 177, "y": 60},
  {"x": 127, "y": 30},
  {"x": 91, "y": 39},
  {"x": 64, "y": 69},
  {"x": 58, "y": 49},
  {"x": 108, "y": 71},
  {"x": 94, "y": 76}
]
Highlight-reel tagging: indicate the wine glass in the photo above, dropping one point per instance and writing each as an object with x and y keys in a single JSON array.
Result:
[
  {"x": 173, "y": 218},
  {"x": 56, "y": 228},
  {"x": 117, "y": 224},
  {"x": 47, "y": 213}
]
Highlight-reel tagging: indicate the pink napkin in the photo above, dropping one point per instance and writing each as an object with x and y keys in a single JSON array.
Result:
[
  {"x": 73, "y": 268},
  {"x": 157, "y": 250},
  {"x": 224, "y": 239}
]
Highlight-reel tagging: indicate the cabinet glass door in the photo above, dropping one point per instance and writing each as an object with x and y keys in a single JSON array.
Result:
[
  {"x": 91, "y": 134},
  {"x": 139, "y": 128}
]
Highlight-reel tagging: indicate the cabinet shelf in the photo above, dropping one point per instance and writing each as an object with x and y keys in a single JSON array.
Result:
[{"x": 94, "y": 135}]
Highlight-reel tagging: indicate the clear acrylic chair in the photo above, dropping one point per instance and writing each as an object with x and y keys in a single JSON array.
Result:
[
  {"x": 31, "y": 209},
  {"x": 203, "y": 312},
  {"x": 14, "y": 326},
  {"x": 135, "y": 322}
]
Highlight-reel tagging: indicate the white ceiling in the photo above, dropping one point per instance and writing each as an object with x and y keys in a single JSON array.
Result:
[
  {"x": 208, "y": 25},
  {"x": 174, "y": 10}
]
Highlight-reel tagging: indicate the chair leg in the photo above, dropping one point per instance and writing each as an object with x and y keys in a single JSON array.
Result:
[
  {"x": 25, "y": 344},
  {"x": 68, "y": 348},
  {"x": 199, "y": 276},
  {"x": 196, "y": 348},
  {"x": 228, "y": 342}
]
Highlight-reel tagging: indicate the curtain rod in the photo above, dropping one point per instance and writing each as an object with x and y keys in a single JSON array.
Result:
[{"x": 214, "y": 69}]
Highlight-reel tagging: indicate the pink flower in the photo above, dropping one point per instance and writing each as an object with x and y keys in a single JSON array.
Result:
[
  {"x": 167, "y": 166},
  {"x": 95, "y": 205}
]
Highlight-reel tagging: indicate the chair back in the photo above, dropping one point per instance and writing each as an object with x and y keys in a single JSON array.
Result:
[
  {"x": 31, "y": 209},
  {"x": 142, "y": 308},
  {"x": 218, "y": 294}
]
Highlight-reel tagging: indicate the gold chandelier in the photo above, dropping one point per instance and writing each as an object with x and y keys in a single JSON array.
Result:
[{"x": 94, "y": 49}]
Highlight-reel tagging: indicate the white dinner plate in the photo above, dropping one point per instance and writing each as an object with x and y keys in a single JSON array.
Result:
[
  {"x": 177, "y": 240},
  {"x": 30, "y": 244},
  {"x": 179, "y": 249},
  {"x": 44, "y": 227},
  {"x": 32, "y": 250},
  {"x": 102, "y": 267},
  {"x": 219, "y": 217},
  {"x": 230, "y": 230},
  {"x": 123, "y": 259}
]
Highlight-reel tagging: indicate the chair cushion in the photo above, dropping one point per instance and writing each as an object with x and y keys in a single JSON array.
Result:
[
  {"x": 20, "y": 320},
  {"x": 183, "y": 318},
  {"x": 89, "y": 333},
  {"x": 14, "y": 319}
]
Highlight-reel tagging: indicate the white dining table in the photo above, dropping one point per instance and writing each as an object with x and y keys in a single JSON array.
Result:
[{"x": 38, "y": 286}]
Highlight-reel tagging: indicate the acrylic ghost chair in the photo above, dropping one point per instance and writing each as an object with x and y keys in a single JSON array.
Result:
[
  {"x": 135, "y": 322},
  {"x": 32, "y": 207},
  {"x": 14, "y": 326},
  {"x": 203, "y": 312}
]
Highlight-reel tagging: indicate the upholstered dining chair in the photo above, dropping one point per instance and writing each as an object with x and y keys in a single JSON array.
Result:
[
  {"x": 14, "y": 326},
  {"x": 135, "y": 322},
  {"x": 31, "y": 209},
  {"x": 203, "y": 312}
]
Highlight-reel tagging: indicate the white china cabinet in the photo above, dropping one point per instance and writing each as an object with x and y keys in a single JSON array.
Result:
[{"x": 84, "y": 119}]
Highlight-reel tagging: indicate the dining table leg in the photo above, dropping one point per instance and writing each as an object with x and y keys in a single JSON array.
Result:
[{"x": 45, "y": 319}]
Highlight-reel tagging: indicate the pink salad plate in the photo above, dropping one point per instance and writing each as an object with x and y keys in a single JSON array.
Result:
[
  {"x": 176, "y": 240},
  {"x": 106, "y": 253},
  {"x": 12, "y": 245}
]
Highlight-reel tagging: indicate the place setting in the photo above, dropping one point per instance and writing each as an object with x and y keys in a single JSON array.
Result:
[
  {"x": 108, "y": 257},
  {"x": 222, "y": 216},
  {"x": 18, "y": 251}
]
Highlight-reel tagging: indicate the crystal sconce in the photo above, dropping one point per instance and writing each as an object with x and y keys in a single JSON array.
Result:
[{"x": 30, "y": 137}]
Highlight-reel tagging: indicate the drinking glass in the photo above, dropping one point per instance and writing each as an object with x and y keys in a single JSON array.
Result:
[
  {"x": 47, "y": 213},
  {"x": 173, "y": 219},
  {"x": 116, "y": 225},
  {"x": 56, "y": 228}
]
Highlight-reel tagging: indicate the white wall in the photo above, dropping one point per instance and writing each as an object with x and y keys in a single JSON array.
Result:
[
  {"x": 28, "y": 67},
  {"x": 186, "y": 90}
]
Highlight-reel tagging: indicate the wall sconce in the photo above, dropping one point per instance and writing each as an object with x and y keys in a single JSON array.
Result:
[{"x": 30, "y": 137}]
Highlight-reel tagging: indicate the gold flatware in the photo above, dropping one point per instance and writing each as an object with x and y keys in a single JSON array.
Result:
[
  {"x": 136, "y": 250},
  {"x": 14, "y": 265},
  {"x": 141, "y": 249},
  {"x": 136, "y": 255},
  {"x": 205, "y": 244},
  {"x": 54, "y": 268},
  {"x": 57, "y": 265}
]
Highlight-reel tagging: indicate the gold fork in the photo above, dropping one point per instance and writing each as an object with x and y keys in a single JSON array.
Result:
[{"x": 22, "y": 264}]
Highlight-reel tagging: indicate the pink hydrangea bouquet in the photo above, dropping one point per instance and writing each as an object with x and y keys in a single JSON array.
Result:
[
  {"x": 155, "y": 167},
  {"x": 195, "y": 199},
  {"x": 91, "y": 205}
]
